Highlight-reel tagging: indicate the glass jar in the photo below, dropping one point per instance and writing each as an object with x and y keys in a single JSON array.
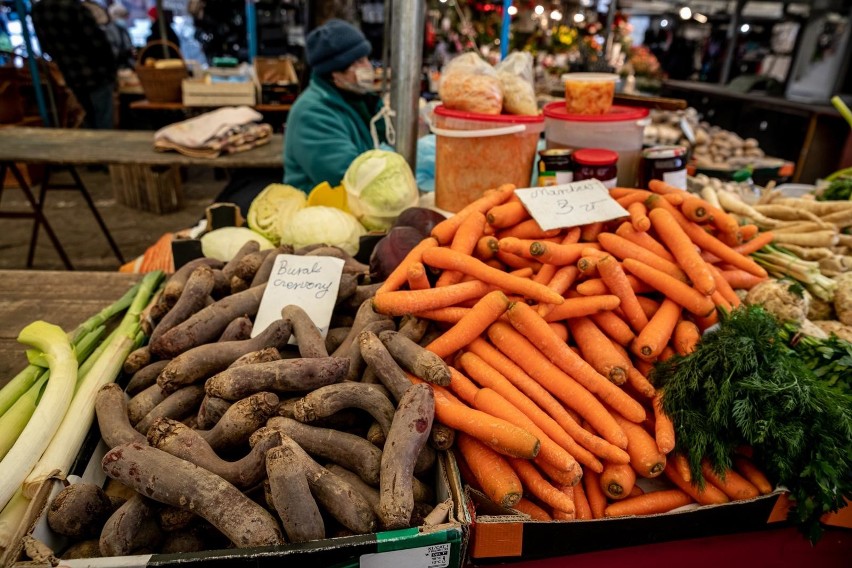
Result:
[
  {"x": 665, "y": 163},
  {"x": 596, "y": 163},
  {"x": 555, "y": 167}
]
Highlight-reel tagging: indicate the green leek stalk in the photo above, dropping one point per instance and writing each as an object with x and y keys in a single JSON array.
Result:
[
  {"x": 105, "y": 366},
  {"x": 781, "y": 263},
  {"x": 54, "y": 403},
  {"x": 11, "y": 518}
]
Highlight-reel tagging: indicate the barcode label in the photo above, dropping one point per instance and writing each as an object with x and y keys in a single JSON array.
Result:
[{"x": 434, "y": 556}]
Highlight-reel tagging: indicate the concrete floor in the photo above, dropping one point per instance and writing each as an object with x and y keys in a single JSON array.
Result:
[{"x": 84, "y": 243}]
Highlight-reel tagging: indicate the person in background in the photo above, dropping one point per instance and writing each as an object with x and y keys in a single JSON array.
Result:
[
  {"x": 68, "y": 32},
  {"x": 330, "y": 122},
  {"x": 118, "y": 37},
  {"x": 171, "y": 35}
]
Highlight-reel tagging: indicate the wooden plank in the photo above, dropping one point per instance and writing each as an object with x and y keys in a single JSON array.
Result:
[
  {"x": 128, "y": 147},
  {"x": 62, "y": 298},
  {"x": 145, "y": 104}
]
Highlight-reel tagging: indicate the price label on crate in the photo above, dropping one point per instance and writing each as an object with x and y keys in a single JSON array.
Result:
[
  {"x": 310, "y": 282},
  {"x": 434, "y": 556},
  {"x": 570, "y": 204}
]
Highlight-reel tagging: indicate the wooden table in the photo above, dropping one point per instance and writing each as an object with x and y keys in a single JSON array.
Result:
[
  {"x": 145, "y": 104},
  {"x": 62, "y": 298}
]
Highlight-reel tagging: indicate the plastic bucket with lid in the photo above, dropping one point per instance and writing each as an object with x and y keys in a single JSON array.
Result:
[
  {"x": 475, "y": 152},
  {"x": 620, "y": 130}
]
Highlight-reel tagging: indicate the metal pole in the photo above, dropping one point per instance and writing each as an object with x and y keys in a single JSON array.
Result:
[
  {"x": 504, "y": 31},
  {"x": 161, "y": 22},
  {"x": 610, "y": 20},
  {"x": 731, "y": 47},
  {"x": 251, "y": 29},
  {"x": 407, "y": 22},
  {"x": 31, "y": 59},
  {"x": 386, "y": 41}
]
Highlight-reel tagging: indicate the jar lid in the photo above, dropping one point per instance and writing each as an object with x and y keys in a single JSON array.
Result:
[
  {"x": 663, "y": 152},
  {"x": 442, "y": 110},
  {"x": 616, "y": 113},
  {"x": 596, "y": 157}
]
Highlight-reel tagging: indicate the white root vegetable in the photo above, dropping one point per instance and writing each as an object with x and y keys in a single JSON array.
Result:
[
  {"x": 709, "y": 195},
  {"x": 732, "y": 204},
  {"x": 815, "y": 239},
  {"x": 786, "y": 213}
]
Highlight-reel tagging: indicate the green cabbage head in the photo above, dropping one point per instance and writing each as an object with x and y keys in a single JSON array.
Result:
[
  {"x": 321, "y": 224},
  {"x": 272, "y": 209},
  {"x": 379, "y": 186}
]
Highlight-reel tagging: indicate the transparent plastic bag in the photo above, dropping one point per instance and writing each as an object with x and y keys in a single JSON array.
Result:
[
  {"x": 470, "y": 84},
  {"x": 516, "y": 79}
]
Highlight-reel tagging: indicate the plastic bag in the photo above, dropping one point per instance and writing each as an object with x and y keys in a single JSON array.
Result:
[
  {"x": 516, "y": 79},
  {"x": 470, "y": 84}
]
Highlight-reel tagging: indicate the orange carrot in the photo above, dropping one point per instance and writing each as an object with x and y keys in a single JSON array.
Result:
[
  {"x": 690, "y": 298},
  {"x": 444, "y": 231},
  {"x": 447, "y": 259},
  {"x": 538, "y": 486},
  {"x": 617, "y": 480},
  {"x": 636, "y": 491},
  {"x": 532, "y": 510},
  {"x": 598, "y": 350},
  {"x": 703, "y": 323},
  {"x": 464, "y": 241},
  {"x": 560, "y": 329},
  {"x": 588, "y": 266},
  {"x": 529, "y": 229},
  {"x": 417, "y": 279},
  {"x": 493, "y": 369},
  {"x": 636, "y": 196},
  {"x": 644, "y": 240},
  {"x": 582, "y": 510},
  {"x": 724, "y": 288},
  {"x": 720, "y": 302},
  {"x": 645, "y": 458},
  {"x": 649, "y": 306},
  {"x": 486, "y": 247},
  {"x": 639, "y": 216},
  {"x": 662, "y": 188},
  {"x": 589, "y": 233},
  {"x": 594, "y": 494},
  {"x": 747, "y": 469},
  {"x": 492, "y": 471},
  {"x": 529, "y": 324},
  {"x": 708, "y": 495},
  {"x": 732, "y": 484},
  {"x": 649, "y": 504},
  {"x": 741, "y": 280},
  {"x": 694, "y": 209},
  {"x": 571, "y": 236},
  {"x": 562, "y": 280},
  {"x": 616, "y": 280},
  {"x": 452, "y": 314},
  {"x": 680, "y": 245},
  {"x": 681, "y": 465},
  {"x": 399, "y": 275},
  {"x": 640, "y": 383},
  {"x": 507, "y": 214},
  {"x": 655, "y": 336},
  {"x": 664, "y": 431},
  {"x": 619, "y": 192},
  {"x": 558, "y": 476},
  {"x": 755, "y": 244},
  {"x": 748, "y": 232},
  {"x": 685, "y": 337},
  {"x": 545, "y": 274},
  {"x": 675, "y": 199},
  {"x": 472, "y": 325},
  {"x": 614, "y": 327},
  {"x": 597, "y": 287},
  {"x": 490, "y": 401},
  {"x": 623, "y": 249},
  {"x": 463, "y": 387},
  {"x": 516, "y": 261},
  {"x": 668, "y": 352},
  {"x": 560, "y": 255},
  {"x": 582, "y": 306},
  {"x": 412, "y": 301},
  {"x": 568, "y": 491}
]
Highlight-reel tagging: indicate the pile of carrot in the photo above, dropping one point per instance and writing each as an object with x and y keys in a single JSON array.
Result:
[{"x": 551, "y": 335}]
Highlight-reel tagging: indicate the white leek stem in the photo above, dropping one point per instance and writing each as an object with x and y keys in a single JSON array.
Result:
[
  {"x": 16, "y": 418},
  {"x": 11, "y": 518}
]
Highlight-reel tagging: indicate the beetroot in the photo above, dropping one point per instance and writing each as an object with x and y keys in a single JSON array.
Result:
[{"x": 392, "y": 249}]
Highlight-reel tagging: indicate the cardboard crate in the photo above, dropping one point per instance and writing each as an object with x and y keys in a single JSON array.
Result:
[
  {"x": 203, "y": 94},
  {"x": 441, "y": 546}
]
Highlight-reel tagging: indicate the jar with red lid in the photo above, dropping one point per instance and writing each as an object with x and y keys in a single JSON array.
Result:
[
  {"x": 597, "y": 163},
  {"x": 666, "y": 163}
]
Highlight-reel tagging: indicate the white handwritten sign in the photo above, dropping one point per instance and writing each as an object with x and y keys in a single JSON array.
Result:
[
  {"x": 570, "y": 204},
  {"x": 310, "y": 282}
]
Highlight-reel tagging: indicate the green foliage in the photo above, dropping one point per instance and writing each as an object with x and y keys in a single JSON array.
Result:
[
  {"x": 839, "y": 190},
  {"x": 744, "y": 386},
  {"x": 830, "y": 359}
]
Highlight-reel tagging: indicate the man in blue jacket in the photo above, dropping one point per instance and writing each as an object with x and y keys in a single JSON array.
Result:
[{"x": 329, "y": 124}]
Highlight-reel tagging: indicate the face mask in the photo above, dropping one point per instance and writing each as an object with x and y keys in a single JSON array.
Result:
[{"x": 365, "y": 78}]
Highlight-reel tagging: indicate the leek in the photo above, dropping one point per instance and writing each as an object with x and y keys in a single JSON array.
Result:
[
  {"x": 17, "y": 386},
  {"x": 54, "y": 403},
  {"x": 105, "y": 366},
  {"x": 11, "y": 518},
  {"x": 13, "y": 422},
  {"x": 780, "y": 263}
]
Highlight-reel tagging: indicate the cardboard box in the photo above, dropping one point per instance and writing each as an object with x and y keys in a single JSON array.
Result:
[
  {"x": 203, "y": 94},
  {"x": 501, "y": 535}
]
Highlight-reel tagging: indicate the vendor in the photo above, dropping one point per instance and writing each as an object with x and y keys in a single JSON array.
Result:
[{"x": 330, "y": 123}]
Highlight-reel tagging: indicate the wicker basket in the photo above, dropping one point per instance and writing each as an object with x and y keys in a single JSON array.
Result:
[{"x": 161, "y": 85}]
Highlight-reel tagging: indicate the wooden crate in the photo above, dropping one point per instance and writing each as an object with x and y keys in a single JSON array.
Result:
[
  {"x": 201, "y": 94},
  {"x": 149, "y": 188}
]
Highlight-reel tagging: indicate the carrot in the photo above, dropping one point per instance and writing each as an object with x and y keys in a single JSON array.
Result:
[
  {"x": 639, "y": 382},
  {"x": 675, "y": 199},
  {"x": 617, "y": 480},
  {"x": 404, "y": 302},
  {"x": 690, "y": 298},
  {"x": 444, "y": 231},
  {"x": 664, "y": 431},
  {"x": 417, "y": 279},
  {"x": 538, "y": 486},
  {"x": 463, "y": 387},
  {"x": 598, "y": 350},
  {"x": 529, "y": 229},
  {"x": 582, "y": 510},
  {"x": 516, "y": 261},
  {"x": 532, "y": 510},
  {"x": 560, "y": 255},
  {"x": 507, "y": 214},
  {"x": 529, "y": 324},
  {"x": 649, "y": 504},
  {"x": 680, "y": 245},
  {"x": 472, "y": 325},
  {"x": 560, "y": 329},
  {"x": 747, "y": 469},
  {"x": 488, "y": 400},
  {"x": 645, "y": 458},
  {"x": 755, "y": 244},
  {"x": 748, "y": 232},
  {"x": 648, "y": 305},
  {"x": 616, "y": 280},
  {"x": 681, "y": 464},
  {"x": 694, "y": 209},
  {"x": 399, "y": 275},
  {"x": 614, "y": 327},
  {"x": 594, "y": 494},
  {"x": 464, "y": 241},
  {"x": 741, "y": 280},
  {"x": 662, "y": 188},
  {"x": 588, "y": 266},
  {"x": 708, "y": 495},
  {"x": 582, "y": 306},
  {"x": 597, "y": 287},
  {"x": 724, "y": 288},
  {"x": 491, "y": 470},
  {"x": 452, "y": 314},
  {"x": 545, "y": 273},
  {"x": 498, "y": 434},
  {"x": 556, "y": 475},
  {"x": 639, "y": 216},
  {"x": 655, "y": 336},
  {"x": 685, "y": 337},
  {"x": 644, "y": 240},
  {"x": 619, "y": 192},
  {"x": 568, "y": 491},
  {"x": 571, "y": 236},
  {"x": 732, "y": 484},
  {"x": 623, "y": 249},
  {"x": 562, "y": 280},
  {"x": 589, "y": 233},
  {"x": 486, "y": 247},
  {"x": 668, "y": 352},
  {"x": 493, "y": 369},
  {"x": 720, "y": 302},
  {"x": 637, "y": 196}
]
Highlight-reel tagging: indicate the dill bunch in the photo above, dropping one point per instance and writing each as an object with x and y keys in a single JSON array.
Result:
[{"x": 743, "y": 385}]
